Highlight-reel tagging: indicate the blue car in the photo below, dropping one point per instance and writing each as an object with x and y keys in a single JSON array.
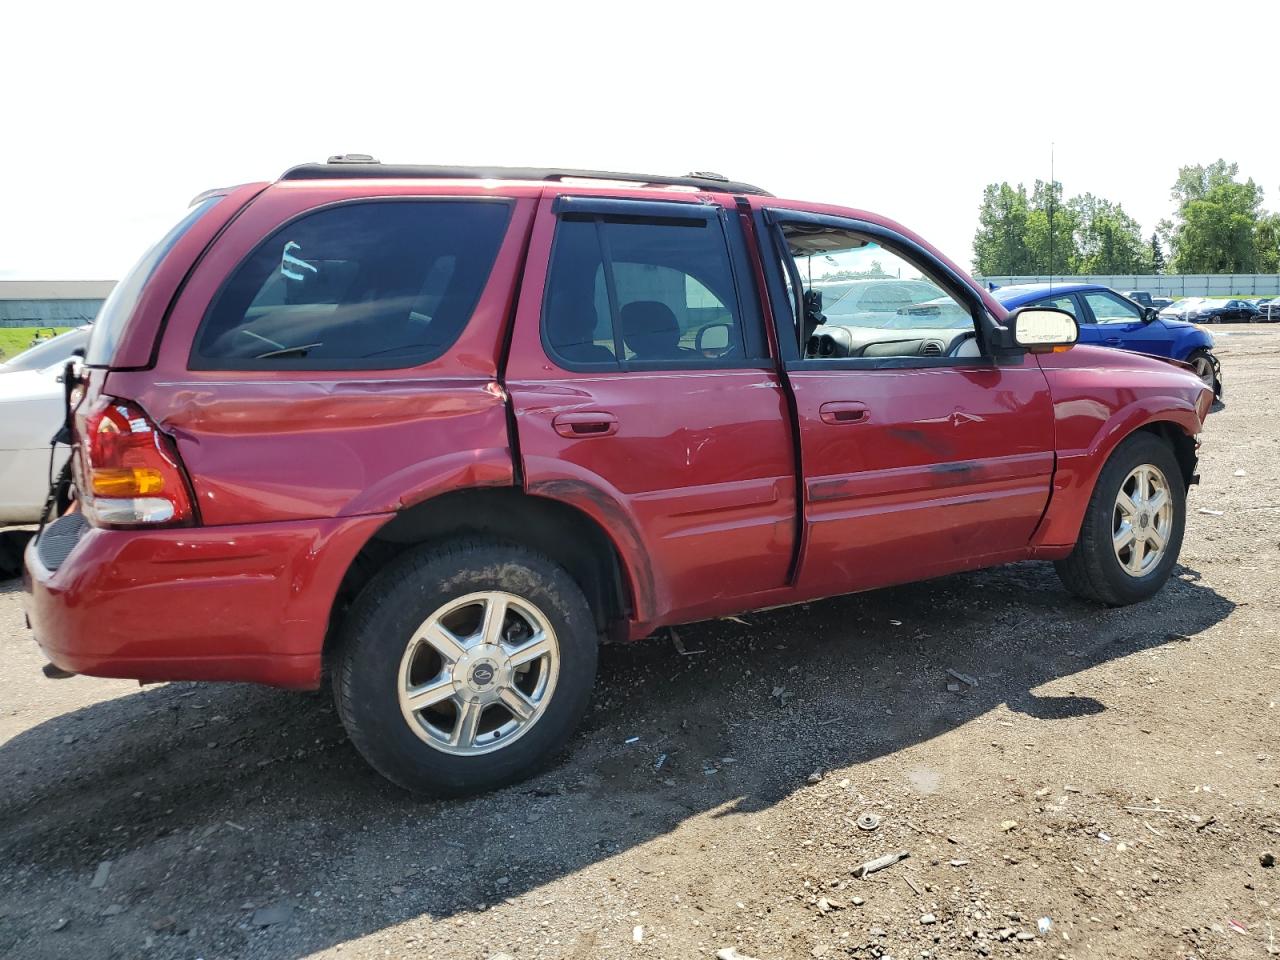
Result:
[{"x": 1108, "y": 319}]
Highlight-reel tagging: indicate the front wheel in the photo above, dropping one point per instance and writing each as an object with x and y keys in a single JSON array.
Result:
[
  {"x": 464, "y": 667},
  {"x": 1132, "y": 530},
  {"x": 1206, "y": 367}
]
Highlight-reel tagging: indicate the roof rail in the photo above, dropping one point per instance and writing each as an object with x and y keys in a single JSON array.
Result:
[{"x": 355, "y": 166}]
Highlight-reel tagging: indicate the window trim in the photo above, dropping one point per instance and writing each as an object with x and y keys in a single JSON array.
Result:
[
  {"x": 197, "y": 361},
  {"x": 772, "y": 219},
  {"x": 601, "y": 210}
]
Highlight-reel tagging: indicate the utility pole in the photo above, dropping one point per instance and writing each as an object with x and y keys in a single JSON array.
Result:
[{"x": 1051, "y": 194}]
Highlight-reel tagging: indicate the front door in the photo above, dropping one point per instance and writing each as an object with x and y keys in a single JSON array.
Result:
[
  {"x": 1113, "y": 321},
  {"x": 644, "y": 396},
  {"x": 921, "y": 455}
]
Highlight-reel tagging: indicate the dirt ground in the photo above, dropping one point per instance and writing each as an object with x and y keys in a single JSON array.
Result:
[{"x": 1110, "y": 787}]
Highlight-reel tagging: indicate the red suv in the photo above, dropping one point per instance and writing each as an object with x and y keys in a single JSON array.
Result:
[{"x": 442, "y": 431}]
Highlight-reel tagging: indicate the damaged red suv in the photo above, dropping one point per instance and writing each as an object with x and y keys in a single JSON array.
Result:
[{"x": 443, "y": 431}]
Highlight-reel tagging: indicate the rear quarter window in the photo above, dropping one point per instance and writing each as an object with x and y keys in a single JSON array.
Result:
[
  {"x": 120, "y": 304},
  {"x": 364, "y": 285}
]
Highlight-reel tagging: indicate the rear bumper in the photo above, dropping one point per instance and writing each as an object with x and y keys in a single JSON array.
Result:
[{"x": 245, "y": 603}]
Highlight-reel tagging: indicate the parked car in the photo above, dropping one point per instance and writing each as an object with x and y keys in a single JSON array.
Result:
[
  {"x": 445, "y": 430},
  {"x": 32, "y": 409},
  {"x": 1207, "y": 310},
  {"x": 1108, "y": 319},
  {"x": 49, "y": 352},
  {"x": 1268, "y": 310},
  {"x": 1141, "y": 297},
  {"x": 1159, "y": 303}
]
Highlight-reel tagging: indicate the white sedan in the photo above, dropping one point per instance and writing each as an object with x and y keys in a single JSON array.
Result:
[{"x": 32, "y": 404}]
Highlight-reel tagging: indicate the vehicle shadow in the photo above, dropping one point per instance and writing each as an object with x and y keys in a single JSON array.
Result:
[{"x": 212, "y": 800}]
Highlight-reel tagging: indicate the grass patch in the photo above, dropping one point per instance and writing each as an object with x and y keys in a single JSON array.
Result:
[{"x": 13, "y": 340}]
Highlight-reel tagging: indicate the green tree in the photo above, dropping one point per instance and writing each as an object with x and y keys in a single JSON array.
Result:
[
  {"x": 1266, "y": 243},
  {"x": 1000, "y": 245},
  {"x": 1216, "y": 223},
  {"x": 1052, "y": 252},
  {"x": 1157, "y": 254},
  {"x": 1108, "y": 239}
]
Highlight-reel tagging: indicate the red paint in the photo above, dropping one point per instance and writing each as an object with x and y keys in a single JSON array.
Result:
[
  {"x": 220, "y": 603},
  {"x": 946, "y": 464},
  {"x": 692, "y": 474},
  {"x": 1100, "y": 396}
]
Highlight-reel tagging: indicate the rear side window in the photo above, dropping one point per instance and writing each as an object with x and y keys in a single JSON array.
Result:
[
  {"x": 643, "y": 293},
  {"x": 120, "y": 303},
  {"x": 369, "y": 285},
  {"x": 1066, "y": 303}
]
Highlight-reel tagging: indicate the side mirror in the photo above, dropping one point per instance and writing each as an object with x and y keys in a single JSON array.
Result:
[
  {"x": 713, "y": 339},
  {"x": 1149, "y": 314},
  {"x": 1043, "y": 329}
]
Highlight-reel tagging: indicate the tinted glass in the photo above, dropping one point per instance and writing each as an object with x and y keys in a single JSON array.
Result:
[
  {"x": 1110, "y": 309},
  {"x": 119, "y": 305},
  {"x": 664, "y": 294},
  {"x": 356, "y": 286}
]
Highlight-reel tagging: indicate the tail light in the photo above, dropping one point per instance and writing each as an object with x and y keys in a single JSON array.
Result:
[{"x": 130, "y": 474}]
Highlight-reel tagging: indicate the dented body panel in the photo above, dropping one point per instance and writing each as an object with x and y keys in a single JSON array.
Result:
[
  {"x": 1101, "y": 396},
  {"x": 714, "y": 496}
]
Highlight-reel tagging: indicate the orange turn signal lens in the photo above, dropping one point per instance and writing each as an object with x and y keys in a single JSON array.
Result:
[{"x": 127, "y": 482}]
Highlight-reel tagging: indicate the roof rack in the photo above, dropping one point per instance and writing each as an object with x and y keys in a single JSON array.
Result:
[{"x": 358, "y": 166}]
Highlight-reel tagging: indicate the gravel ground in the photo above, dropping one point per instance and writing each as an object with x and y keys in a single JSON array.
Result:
[{"x": 1108, "y": 788}]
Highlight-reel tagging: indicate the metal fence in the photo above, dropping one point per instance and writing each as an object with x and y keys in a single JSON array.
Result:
[{"x": 1170, "y": 285}]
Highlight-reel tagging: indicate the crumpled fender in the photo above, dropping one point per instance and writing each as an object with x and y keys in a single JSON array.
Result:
[{"x": 1077, "y": 469}]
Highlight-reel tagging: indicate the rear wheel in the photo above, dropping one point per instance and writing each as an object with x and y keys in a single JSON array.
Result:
[
  {"x": 465, "y": 667},
  {"x": 1132, "y": 530}
]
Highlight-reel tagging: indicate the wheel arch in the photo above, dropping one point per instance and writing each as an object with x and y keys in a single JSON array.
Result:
[
  {"x": 1077, "y": 472},
  {"x": 1183, "y": 444},
  {"x": 564, "y": 533}
]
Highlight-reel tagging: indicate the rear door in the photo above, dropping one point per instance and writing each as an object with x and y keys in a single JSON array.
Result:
[
  {"x": 643, "y": 395},
  {"x": 921, "y": 455}
]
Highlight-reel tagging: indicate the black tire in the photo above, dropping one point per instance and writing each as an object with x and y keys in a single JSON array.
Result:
[
  {"x": 1200, "y": 353},
  {"x": 377, "y": 630},
  {"x": 1093, "y": 571}
]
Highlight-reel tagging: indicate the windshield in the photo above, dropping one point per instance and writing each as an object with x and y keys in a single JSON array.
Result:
[
  {"x": 54, "y": 350},
  {"x": 119, "y": 306},
  {"x": 940, "y": 314}
]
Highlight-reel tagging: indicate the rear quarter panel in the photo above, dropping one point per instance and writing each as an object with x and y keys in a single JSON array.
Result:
[
  {"x": 264, "y": 446},
  {"x": 1100, "y": 396}
]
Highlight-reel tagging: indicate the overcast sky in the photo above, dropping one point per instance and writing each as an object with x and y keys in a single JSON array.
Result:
[{"x": 115, "y": 117}]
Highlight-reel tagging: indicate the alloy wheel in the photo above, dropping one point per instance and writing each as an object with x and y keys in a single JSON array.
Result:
[
  {"x": 1142, "y": 520},
  {"x": 478, "y": 673}
]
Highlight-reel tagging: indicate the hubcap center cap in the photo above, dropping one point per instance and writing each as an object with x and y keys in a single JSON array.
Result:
[{"x": 481, "y": 673}]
